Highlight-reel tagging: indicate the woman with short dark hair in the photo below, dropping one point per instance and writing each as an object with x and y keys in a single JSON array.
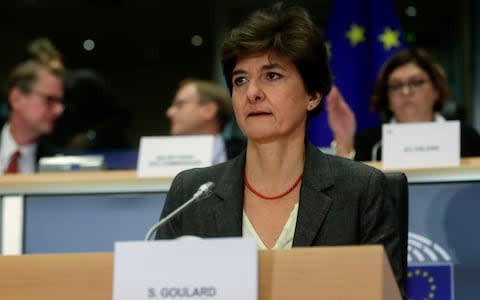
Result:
[{"x": 282, "y": 191}]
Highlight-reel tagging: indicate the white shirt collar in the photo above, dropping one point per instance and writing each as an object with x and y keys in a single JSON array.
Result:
[
  {"x": 8, "y": 146},
  {"x": 284, "y": 241},
  {"x": 219, "y": 152}
]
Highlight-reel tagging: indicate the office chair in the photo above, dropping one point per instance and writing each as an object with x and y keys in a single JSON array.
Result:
[{"x": 398, "y": 187}]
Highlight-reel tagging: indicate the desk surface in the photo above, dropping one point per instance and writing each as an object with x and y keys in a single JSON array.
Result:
[
  {"x": 81, "y": 182},
  {"x": 469, "y": 170},
  {"x": 127, "y": 181}
]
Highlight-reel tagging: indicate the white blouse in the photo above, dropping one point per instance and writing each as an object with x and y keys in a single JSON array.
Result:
[{"x": 284, "y": 241}]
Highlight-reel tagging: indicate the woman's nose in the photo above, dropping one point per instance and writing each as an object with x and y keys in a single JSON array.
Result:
[{"x": 255, "y": 92}]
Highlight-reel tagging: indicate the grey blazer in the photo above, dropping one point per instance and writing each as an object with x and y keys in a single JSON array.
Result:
[{"x": 342, "y": 202}]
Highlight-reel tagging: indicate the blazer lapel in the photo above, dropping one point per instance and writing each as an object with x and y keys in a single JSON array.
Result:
[
  {"x": 314, "y": 203},
  {"x": 313, "y": 207},
  {"x": 229, "y": 189}
]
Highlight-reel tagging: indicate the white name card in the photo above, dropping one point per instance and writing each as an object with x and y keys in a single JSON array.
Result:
[
  {"x": 166, "y": 156},
  {"x": 421, "y": 145},
  {"x": 219, "y": 268}
]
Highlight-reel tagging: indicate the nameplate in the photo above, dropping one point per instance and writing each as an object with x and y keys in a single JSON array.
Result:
[
  {"x": 421, "y": 145},
  {"x": 166, "y": 156},
  {"x": 218, "y": 268}
]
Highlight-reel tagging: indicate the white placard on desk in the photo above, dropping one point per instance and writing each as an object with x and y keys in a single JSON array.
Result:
[
  {"x": 421, "y": 145},
  {"x": 166, "y": 156},
  {"x": 218, "y": 268}
]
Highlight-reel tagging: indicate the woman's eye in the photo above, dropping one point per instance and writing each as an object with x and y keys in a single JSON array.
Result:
[
  {"x": 239, "y": 80},
  {"x": 273, "y": 75}
]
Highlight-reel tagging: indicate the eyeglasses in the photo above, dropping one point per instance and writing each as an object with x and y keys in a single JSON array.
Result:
[
  {"x": 413, "y": 85},
  {"x": 178, "y": 104},
  {"x": 50, "y": 100}
]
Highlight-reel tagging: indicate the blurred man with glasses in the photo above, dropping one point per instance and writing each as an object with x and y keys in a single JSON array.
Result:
[
  {"x": 204, "y": 107},
  {"x": 35, "y": 93}
]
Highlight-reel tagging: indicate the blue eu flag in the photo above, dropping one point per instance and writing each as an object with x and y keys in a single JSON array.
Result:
[
  {"x": 430, "y": 282},
  {"x": 361, "y": 35}
]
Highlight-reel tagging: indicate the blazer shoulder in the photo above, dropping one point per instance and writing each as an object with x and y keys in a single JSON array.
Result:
[
  {"x": 470, "y": 141},
  {"x": 212, "y": 173},
  {"x": 468, "y": 131},
  {"x": 349, "y": 169}
]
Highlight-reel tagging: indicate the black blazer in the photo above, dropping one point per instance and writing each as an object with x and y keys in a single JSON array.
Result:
[
  {"x": 45, "y": 149},
  {"x": 366, "y": 139},
  {"x": 234, "y": 146},
  {"x": 342, "y": 202}
]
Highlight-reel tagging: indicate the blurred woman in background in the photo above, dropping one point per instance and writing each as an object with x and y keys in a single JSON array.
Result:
[{"x": 411, "y": 87}]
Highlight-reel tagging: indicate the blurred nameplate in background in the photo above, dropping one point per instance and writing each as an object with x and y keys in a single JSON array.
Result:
[
  {"x": 71, "y": 163},
  {"x": 166, "y": 156},
  {"x": 421, "y": 145}
]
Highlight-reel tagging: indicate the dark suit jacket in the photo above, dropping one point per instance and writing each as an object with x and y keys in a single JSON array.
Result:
[
  {"x": 366, "y": 139},
  {"x": 234, "y": 146},
  {"x": 45, "y": 149},
  {"x": 342, "y": 202}
]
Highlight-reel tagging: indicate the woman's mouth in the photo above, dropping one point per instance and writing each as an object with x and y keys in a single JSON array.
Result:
[{"x": 259, "y": 114}]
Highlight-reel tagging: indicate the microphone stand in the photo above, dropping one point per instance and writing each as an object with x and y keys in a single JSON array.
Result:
[{"x": 204, "y": 191}]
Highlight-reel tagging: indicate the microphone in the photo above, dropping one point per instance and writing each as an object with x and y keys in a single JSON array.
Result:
[
  {"x": 375, "y": 148},
  {"x": 203, "y": 192}
]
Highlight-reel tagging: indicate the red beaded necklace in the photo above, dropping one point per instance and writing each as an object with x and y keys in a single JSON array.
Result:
[{"x": 290, "y": 189}]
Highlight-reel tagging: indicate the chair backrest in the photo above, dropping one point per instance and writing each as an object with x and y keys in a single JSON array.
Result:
[{"x": 398, "y": 187}]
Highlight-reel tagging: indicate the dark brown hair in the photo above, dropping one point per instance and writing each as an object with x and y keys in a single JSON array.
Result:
[
  {"x": 285, "y": 31},
  {"x": 421, "y": 58}
]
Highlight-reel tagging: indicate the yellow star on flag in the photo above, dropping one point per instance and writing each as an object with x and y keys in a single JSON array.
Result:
[
  {"x": 356, "y": 34},
  {"x": 390, "y": 38}
]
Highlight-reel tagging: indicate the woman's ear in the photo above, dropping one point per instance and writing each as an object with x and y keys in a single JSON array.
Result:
[{"x": 314, "y": 101}]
